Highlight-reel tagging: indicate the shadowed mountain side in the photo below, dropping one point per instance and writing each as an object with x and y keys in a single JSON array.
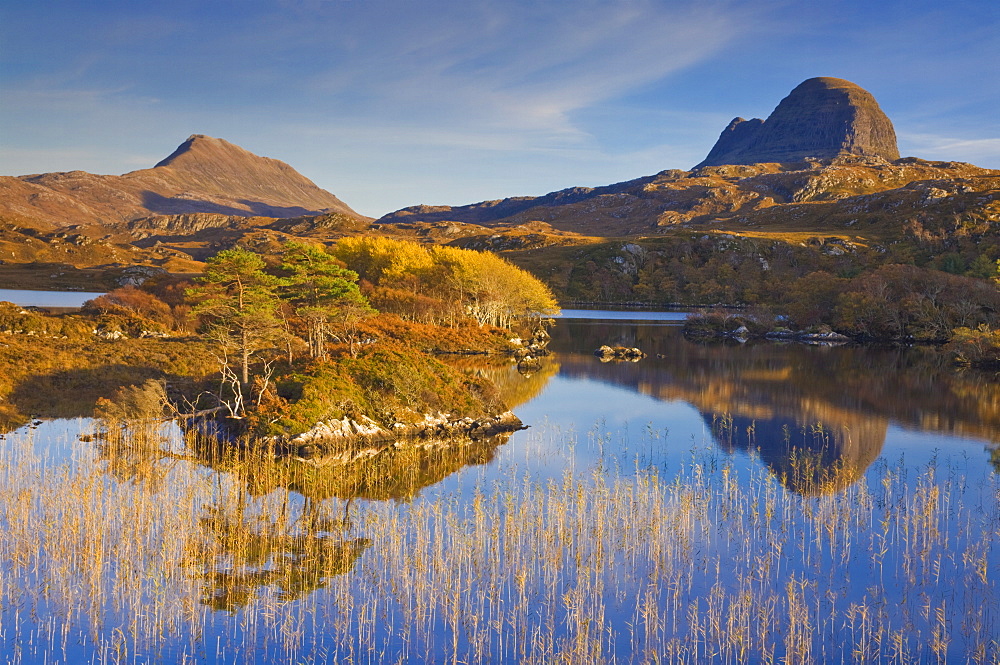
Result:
[
  {"x": 822, "y": 118},
  {"x": 162, "y": 205},
  {"x": 204, "y": 174},
  {"x": 488, "y": 213}
]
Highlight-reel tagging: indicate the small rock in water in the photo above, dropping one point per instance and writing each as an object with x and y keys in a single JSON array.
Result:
[{"x": 607, "y": 353}]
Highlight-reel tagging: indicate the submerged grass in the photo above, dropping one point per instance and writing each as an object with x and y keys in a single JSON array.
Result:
[{"x": 709, "y": 564}]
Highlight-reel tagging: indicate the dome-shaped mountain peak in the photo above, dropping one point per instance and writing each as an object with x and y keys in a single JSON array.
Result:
[{"x": 821, "y": 118}]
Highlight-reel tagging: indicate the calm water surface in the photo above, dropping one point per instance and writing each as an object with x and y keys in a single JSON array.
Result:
[
  {"x": 822, "y": 444},
  {"x": 27, "y": 298},
  {"x": 622, "y": 315}
]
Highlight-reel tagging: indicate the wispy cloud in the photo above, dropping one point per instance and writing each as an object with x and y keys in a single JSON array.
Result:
[
  {"x": 520, "y": 68},
  {"x": 982, "y": 152},
  {"x": 523, "y": 68}
]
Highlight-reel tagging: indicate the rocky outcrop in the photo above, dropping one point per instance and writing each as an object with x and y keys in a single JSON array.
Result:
[
  {"x": 346, "y": 439},
  {"x": 608, "y": 353},
  {"x": 139, "y": 275},
  {"x": 822, "y": 118},
  {"x": 187, "y": 224}
]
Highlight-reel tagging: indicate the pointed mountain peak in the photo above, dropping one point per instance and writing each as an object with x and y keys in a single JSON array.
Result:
[
  {"x": 211, "y": 168},
  {"x": 202, "y": 148}
]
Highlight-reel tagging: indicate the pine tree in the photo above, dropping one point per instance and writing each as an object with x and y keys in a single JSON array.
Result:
[
  {"x": 238, "y": 304},
  {"x": 323, "y": 292}
]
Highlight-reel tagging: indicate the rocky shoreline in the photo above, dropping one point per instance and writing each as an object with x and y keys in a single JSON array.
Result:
[
  {"x": 822, "y": 335},
  {"x": 340, "y": 441},
  {"x": 742, "y": 329}
]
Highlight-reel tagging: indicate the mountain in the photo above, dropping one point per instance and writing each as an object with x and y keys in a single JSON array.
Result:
[
  {"x": 203, "y": 175},
  {"x": 822, "y": 118},
  {"x": 827, "y": 141}
]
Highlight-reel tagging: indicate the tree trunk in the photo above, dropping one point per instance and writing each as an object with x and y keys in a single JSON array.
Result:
[{"x": 245, "y": 361}]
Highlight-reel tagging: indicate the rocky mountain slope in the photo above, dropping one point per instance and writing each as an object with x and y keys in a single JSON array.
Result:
[
  {"x": 827, "y": 141},
  {"x": 204, "y": 175},
  {"x": 721, "y": 196},
  {"x": 822, "y": 118}
]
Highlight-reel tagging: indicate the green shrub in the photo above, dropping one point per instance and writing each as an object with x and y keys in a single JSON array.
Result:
[{"x": 977, "y": 347}]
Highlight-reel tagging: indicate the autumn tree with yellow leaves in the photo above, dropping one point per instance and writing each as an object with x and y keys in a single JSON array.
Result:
[{"x": 440, "y": 284}]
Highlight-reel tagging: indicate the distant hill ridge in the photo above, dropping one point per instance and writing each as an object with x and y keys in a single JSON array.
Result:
[
  {"x": 743, "y": 194},
  {"x": 203, "y": 175}
]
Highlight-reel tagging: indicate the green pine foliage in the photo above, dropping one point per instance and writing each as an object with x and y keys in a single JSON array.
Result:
[
  {"x": 324, "y": 295},
  {"x": 236, "y": 301}
]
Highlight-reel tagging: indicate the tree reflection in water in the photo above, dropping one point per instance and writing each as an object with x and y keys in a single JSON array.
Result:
[
  {"x": 237, "y": 558},
  {"x": 240, "y": 549}
]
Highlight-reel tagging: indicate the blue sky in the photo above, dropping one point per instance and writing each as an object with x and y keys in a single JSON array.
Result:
[{"x": 389, "y": 103}]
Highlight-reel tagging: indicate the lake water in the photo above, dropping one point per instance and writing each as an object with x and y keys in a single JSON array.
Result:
[
  {"x": 621, "y": 315},
  {"x": 27, "y": 298},
  {"x": 712, "y": 502}
]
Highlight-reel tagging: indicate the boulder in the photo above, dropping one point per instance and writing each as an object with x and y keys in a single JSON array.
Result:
[
  {"x": 608, "y": 353},
  {"x": 137, "y": 275}
]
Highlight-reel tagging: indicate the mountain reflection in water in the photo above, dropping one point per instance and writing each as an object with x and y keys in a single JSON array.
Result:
[
  {"x": 816, "y": 458},
  {"x": 817, "y": 416}
]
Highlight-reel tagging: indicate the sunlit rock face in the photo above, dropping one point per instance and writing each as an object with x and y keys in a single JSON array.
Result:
[
  {"x": 822, "y": 118},
  {"x": 204, "y": 175}
]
